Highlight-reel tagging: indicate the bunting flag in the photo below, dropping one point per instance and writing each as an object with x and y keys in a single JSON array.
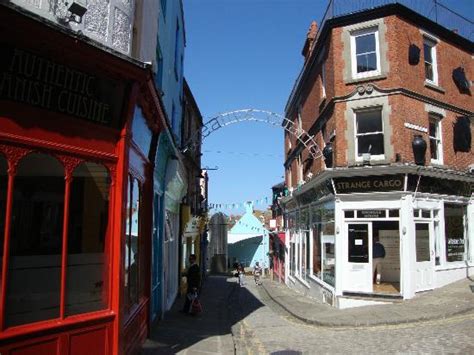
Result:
[{"x": 263, "y": 201}]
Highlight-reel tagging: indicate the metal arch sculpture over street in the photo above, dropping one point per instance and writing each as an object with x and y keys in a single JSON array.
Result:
[{"x": 272, "y": 118}]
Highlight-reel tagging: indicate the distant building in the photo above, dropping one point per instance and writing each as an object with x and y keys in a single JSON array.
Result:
[
  {"x": 218, "y": 247},
  {"x": 387, "y": 94},
  {"x": 248, "y": 240}
]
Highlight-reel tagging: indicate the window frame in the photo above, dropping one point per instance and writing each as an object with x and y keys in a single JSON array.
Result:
[
  {"x": 356, "y": 135},
  {"x": 438, "y": 138},
  {"x": 432, "y": 43},
  {"x": 359, "y": 33},
  {"x": 14, "y": 156}
]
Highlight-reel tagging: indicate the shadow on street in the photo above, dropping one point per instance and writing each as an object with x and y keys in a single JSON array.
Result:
[{"x": 211, "y": 331}]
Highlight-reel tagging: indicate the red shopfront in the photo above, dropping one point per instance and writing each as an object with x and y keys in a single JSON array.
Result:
[{"x": 75, "y": 187}]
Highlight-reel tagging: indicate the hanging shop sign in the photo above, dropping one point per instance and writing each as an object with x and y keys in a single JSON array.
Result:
[
  {"x": 369, "y": 184},
  {"x": 434, "y": 185},
  {"x": 34, "y": 80}
]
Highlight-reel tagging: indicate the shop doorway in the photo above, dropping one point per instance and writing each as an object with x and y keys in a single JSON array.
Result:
[{"x": 361, "y": 267}]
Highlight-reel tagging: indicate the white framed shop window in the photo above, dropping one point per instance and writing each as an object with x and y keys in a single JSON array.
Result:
[{"x": 455, "y": 233}]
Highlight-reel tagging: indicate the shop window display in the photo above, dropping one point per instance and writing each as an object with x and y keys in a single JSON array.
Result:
[
  {"x": 34, "y": 269},
  {"x": 86, "y": 271},
  {"x": 455, "y": 234}
]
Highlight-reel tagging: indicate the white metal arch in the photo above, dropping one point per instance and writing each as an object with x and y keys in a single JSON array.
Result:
[{"x": 272, "y": 118}]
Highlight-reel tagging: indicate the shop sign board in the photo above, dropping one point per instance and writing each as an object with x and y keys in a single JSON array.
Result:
[
  {"x": 455, "y": 249},
  {"x": 434, "y": 185},
  {"x": 31, "y": 79},
  {"x": 369, "y": 183},
  {"x": 371, "y": 213}
]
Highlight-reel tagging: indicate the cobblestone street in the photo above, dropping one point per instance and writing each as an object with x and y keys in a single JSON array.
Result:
[
  {"x": 272, "y": 330},
  {"x": 245, "y": 320}
]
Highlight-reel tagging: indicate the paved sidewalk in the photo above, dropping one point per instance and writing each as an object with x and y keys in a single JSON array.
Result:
[
  {"x": 445, "y": 302},
  {"x": 208, "y": 333}
]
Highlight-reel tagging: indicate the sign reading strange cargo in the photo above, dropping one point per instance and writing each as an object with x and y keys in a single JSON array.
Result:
[{"x": 369, "y": 184}]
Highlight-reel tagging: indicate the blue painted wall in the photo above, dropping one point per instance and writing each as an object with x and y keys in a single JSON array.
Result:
[{"x": 170, "y": 48}]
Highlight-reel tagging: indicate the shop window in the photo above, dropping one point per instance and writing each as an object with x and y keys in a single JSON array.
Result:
[
  {"x": 369, "y": 134},
  {"x": 425, "y": 214},
  {"x": 316, "y": 253},
  {"x": 3, "y": 203},
  {"x": 365, "y": 53},
  {"x": 455, "y": 233},
  {"x": 416, "y": 213},
  {"x": 422, "y": 240},
  {"x": 292, "y": 257},
  {"x": 132, "y": 249},
  {"x": 34, "y": 269},
  {"x": 436, "y": 150},
  {"x": 87, "y": 281}
]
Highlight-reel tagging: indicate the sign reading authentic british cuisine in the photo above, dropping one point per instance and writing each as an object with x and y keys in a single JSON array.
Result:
[
  {"x": 38, "y": 81},
  {"x": 369, "y": 183}
]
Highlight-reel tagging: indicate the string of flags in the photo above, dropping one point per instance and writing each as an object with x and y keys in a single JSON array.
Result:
[
  {"x": 264, "y": 201},
  {"x": 254, "y": 228}
]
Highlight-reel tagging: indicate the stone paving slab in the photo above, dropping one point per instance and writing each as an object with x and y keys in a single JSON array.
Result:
[{"x": 448, "y": 301}]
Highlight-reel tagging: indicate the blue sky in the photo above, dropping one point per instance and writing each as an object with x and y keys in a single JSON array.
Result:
[{"x": 247, "y": 54}]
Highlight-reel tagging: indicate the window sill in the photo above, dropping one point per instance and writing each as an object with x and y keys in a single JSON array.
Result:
[
  {"x": 437, "y": 164},
  {"x": 453, "y": 266},
  {"x": 303, "y": 282},
  {"x": 367, "y": 78},
  {"x": 434, "y": 87}
]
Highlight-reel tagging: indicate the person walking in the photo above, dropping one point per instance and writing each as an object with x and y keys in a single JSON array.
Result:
[
  {"x": 241, "y": 275},
  {"x": 193, "y": 279},
  {"x": 378, "y": 254},
  {"x": 257, "y": 273}
]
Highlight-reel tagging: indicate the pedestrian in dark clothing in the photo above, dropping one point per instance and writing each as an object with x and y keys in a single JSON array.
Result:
[
  {"x": 193, "y": 278},
  {"x": 378, "y": 253}
]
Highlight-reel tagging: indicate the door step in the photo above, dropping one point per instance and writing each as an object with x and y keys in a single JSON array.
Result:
[{"x": 369, "y": 296}]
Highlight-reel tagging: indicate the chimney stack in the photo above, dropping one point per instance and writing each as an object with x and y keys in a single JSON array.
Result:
[{"x": 310, "y": 40}]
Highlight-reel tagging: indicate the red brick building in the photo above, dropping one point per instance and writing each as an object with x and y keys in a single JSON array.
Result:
[{"x": 387, "y": 94}]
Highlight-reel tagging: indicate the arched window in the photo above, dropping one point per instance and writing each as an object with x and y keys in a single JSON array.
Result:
[
  {"x": 87, "y": 281},
  {"x": 3, "y": 203},
  {"x": 34, "y": 269}
]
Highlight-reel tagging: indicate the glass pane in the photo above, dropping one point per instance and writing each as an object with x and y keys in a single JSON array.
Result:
[
  {"x": 428, "y": 71},
  {"x": 434, "y": 149},
  {"x": 454, "y": 232},
  {"x": 433, "y": 130},
  {"x": 86, "y": 263},
  {"x": 366, "y": 62},
  {"x": 370, "y": 121},
  {"x": 416, "y": 213},
  {"x": 422, "y": 238},
  {"x": 365, "y": 43},
  {"x": 425, "y": 214},
  {"x": 128, "y": 250},
  {"x": 317, "y": 252},
  {"x": 34, "y": 283},
  {"x": 372, "y": 144},
  {"x": 329, "y": 265},
  {"x": 393, "y": 213},
  {"x": 3, "y": 201},
  {"x": 349, "y": 214},
  {"x": 358, "y": 243},
  {"x": 135, "y": 230},
  {"x": 427, "y": 53}
]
